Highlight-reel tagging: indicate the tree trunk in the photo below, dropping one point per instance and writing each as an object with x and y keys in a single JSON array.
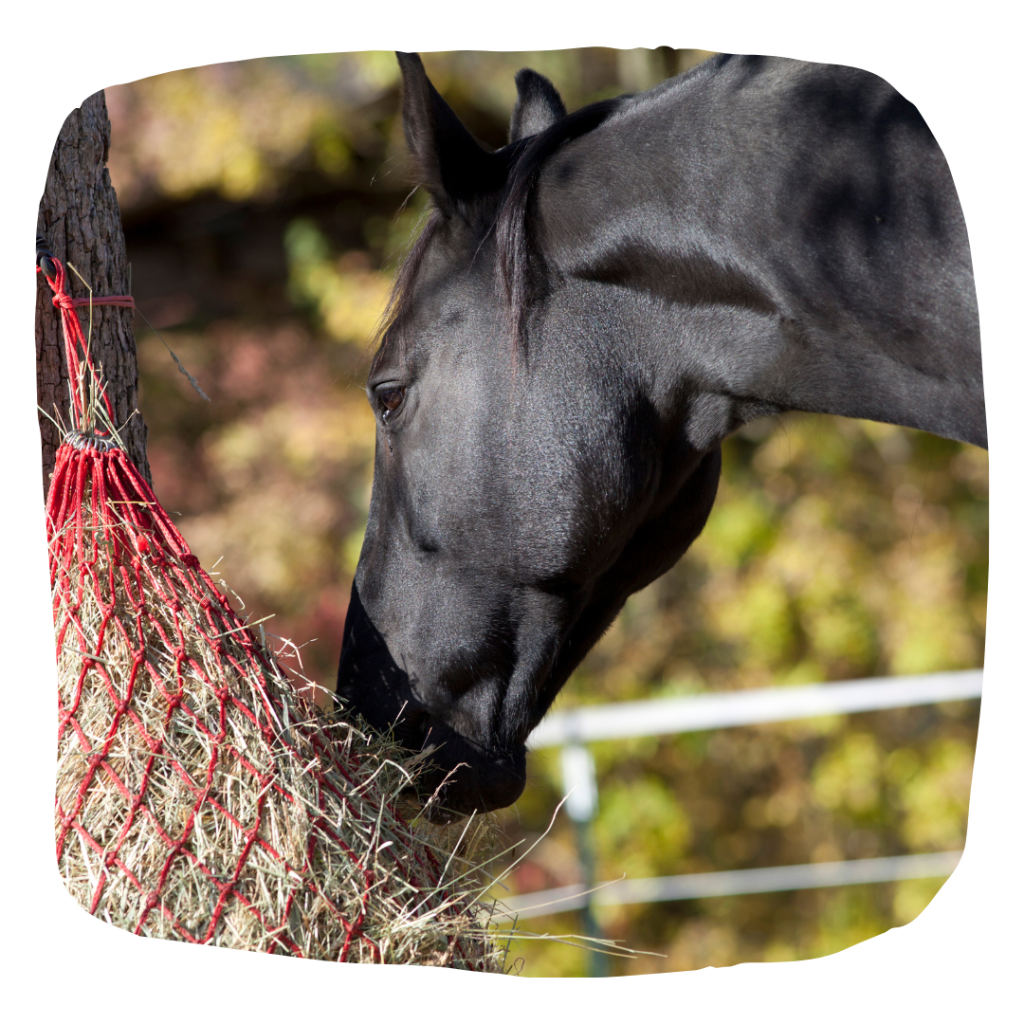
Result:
[{"x": 81, "y": 221}]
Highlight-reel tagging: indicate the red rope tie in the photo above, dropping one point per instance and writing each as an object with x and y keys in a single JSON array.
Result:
[
  {"x": 74, "y": 337},
  {"x": 64, "y": 301}
]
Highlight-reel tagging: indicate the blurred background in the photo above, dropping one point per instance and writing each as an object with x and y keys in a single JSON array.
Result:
[{"x": 266, "y": 205}]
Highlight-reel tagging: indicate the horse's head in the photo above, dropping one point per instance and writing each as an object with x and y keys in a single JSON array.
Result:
[
  {"x": 523, "y": 487},
  {"x": 589, "y": 311}
]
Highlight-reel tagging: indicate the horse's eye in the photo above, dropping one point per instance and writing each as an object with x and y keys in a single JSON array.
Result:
[{"x": 391, "y": 398}]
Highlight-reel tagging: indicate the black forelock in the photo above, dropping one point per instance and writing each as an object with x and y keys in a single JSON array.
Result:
[{"x": 389, "y": 326}]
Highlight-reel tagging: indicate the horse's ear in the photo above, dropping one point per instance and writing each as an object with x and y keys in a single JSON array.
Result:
[
  {"x": 453, "y": 166},
  {"x": 538, "y": 107}
]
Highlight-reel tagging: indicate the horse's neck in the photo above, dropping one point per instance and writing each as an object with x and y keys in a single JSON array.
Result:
[{"x": 799, "y": 264}]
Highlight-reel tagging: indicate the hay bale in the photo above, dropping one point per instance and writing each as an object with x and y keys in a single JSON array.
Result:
[{"x": 199, "y": 798}]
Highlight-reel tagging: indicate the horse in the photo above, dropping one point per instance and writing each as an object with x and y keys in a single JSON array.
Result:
[{"x": 588, "y": 312}]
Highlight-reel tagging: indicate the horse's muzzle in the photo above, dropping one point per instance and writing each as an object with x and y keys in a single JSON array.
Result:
[{"x": 460, "y": 777}]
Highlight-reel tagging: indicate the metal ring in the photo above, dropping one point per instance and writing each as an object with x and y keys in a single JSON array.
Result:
[{"x": 89, "y": 442}]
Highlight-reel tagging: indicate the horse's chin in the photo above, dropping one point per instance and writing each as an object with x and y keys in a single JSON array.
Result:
[{"x": 461, "y": 778}]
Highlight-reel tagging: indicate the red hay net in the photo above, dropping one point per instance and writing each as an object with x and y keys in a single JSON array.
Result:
[{"x": 199, "y": 797}]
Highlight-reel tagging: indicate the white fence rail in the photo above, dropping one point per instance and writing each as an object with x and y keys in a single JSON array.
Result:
[
  {"x": 735, "y": 883},
  {"x": 749, "y": 707}
]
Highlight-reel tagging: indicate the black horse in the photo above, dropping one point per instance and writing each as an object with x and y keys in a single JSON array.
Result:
[{"x": 588, "y": 312}]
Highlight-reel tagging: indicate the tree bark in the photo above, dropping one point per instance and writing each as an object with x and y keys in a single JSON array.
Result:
[{"x": 81, "y": 221}]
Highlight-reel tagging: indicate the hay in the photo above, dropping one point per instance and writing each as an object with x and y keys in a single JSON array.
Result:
[{"x": 200, "y": 798}]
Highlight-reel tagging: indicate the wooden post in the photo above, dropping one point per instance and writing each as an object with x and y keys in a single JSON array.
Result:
[{"x": 81, "y": 221}]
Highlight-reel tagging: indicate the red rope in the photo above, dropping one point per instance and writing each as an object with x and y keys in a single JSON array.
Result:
[{"x": 74, "y": 337}]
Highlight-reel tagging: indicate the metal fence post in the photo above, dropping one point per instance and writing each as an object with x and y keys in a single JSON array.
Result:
[{"x": 579, "y": 783}]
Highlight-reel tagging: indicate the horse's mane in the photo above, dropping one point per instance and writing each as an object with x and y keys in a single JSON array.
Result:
[
  {"x": 400, "y": 293},
  {"x": 509, "y": 225},
  {"x": 511, "y": 229}
]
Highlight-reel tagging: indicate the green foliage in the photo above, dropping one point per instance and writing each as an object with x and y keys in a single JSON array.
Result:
[
  {"x": 934, "y": 799},
  {"x": 647, "y": 802},
  {"x": 345, "y": 296},
  {"x": 846, "y": 777}
]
